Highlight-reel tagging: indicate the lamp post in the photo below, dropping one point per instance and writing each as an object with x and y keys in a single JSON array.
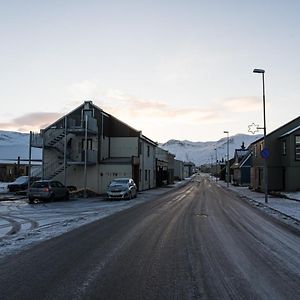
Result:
[
  {"x": 216, "y": 165},
  {"x": 262, "y": 72},
  {"x": 227, "y": 167}
]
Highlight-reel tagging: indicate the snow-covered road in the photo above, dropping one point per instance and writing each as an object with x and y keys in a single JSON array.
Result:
[{"x": 23, "y": 225}]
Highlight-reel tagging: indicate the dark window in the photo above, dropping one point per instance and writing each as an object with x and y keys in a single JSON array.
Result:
[
  {"x": 297, "y": 147},
  {"x": 146, "y": 173},
  {"x": 284, "y": 147},
  {"x": 89, "y": 144},
  {"x": 148, "y": 151}
]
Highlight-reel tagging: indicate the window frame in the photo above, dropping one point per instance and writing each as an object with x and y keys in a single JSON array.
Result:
[{"x": 297, "y": 147}]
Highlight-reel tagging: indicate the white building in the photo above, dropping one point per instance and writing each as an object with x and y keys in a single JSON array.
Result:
[{"x": 88, "y": 147}]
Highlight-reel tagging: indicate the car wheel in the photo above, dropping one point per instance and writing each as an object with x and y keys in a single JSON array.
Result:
[
  {"x": 31, "y": 200},
  {"x": 67, "y": 197},
  {"x": 51, "y": 198}
]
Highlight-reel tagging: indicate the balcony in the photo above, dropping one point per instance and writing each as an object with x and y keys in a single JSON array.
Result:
[
  {"x": 36, "y": 140},
  {"x": 74, "y": 127},
  {"x": 91, "y": 158}
]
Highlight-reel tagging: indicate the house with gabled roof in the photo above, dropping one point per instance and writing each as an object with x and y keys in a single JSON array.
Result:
[
  {"x": 284, "y": 161},
  {"x": 88, "y": 147},
  {"x": 241, "y": 166}
]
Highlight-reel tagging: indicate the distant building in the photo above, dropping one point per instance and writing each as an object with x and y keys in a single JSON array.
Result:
[
  {"x": 241, "y": 166},
  {"x": 178, "y": 169},
  {"x": 189, "y": 169}
]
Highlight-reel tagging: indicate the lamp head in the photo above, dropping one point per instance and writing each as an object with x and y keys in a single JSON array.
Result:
[{"x": 261, "y": 71}]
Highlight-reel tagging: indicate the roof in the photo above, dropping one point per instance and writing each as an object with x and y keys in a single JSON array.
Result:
[
  {"x": 107, "y": 115},
  {"x": 290, "y": 131},
  {"x": 260, "y": 139},
  {"x": 242, "y": 156}
]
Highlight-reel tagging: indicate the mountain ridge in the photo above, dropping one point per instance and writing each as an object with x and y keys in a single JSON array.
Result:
[{"x": 207, "y": 152}]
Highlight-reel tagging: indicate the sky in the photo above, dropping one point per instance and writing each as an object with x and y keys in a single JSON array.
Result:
[{"x": 173, "y": 69}]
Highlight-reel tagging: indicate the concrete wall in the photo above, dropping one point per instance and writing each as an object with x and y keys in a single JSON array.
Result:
[
  {"x": 178, "y": 169},
  {"x": 123, "y": 146},
  {"x": 104, "y": 147},
  {"x": 110, "y": 172},
  {"x": 147, "y": 166}
]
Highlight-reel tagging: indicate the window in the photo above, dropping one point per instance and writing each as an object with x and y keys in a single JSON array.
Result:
[
  {"x": 297, "y": 147},
  {"x": 89, "y": 144},
  {"x": 148, "y": 151},
  {"x": 284, "y": 147},
  {"x": 146, "y": 173}
]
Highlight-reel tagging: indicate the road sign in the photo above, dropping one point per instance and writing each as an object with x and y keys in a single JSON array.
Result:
[{"x": 265, "y": 153}]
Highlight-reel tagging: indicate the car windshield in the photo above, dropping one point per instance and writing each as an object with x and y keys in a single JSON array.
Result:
[
  {"x": 21, "y": 179},
  {"x": 119, "y": 182},
  {"x": 40, "y": 184}
]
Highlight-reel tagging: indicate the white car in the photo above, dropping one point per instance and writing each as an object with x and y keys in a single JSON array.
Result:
[{"x": 122, "y": 188}]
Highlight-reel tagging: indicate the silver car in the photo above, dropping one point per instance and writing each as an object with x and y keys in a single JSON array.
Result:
[
  {"x": 122, "y": 188},
  {"x": 48, "y": 190}
]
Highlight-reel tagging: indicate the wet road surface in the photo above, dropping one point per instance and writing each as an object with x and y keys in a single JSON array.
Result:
[{"x": 196, "y": 242}]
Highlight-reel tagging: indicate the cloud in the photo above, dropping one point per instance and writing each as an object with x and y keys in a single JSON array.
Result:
[
  {"x": 31, "y": 121},
  {"x": 243, "y": 104},
  {"x": 127, "y": 106}
]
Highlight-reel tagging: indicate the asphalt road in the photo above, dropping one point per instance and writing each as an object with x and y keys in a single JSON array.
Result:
[{"x": 196, "y": 242}]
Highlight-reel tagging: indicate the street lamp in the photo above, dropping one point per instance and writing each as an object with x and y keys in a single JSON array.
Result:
[
  {"x": 261, "y": 71},
  {"x": 216, "y": 165},
  {"x": 227, "y": 167}
]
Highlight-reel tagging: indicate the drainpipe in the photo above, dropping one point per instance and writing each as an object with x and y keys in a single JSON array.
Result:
[
  {"x": 85, "y": 156},
  {"x": 65, "y": 153},
  {"x": 29, "y": 159}
]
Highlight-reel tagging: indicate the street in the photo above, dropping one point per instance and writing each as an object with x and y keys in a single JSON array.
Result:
[{"x": 196, "y": 242}]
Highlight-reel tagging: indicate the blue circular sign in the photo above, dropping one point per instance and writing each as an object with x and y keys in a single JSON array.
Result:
[{"x": 265, "y": 153}]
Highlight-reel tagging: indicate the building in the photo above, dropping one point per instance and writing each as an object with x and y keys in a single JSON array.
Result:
[
  {"x": 241, "y": 166},
  {"x": 165, "y": 167},
  {"x": 88, "y": 147},
  {"x": 283, "y": 164},
  {"x": 189, "y": 169},
  {"x": 178, "y": 170}
]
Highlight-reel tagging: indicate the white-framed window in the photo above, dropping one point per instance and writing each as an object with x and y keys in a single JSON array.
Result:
[
  {"x": 297, "y": 147},
  {"x": 284, "y": 147}
]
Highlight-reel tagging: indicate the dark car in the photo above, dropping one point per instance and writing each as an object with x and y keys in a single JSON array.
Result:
[
  {"x": 21, "y": 183},
  {"x": 47, "y": 190}
]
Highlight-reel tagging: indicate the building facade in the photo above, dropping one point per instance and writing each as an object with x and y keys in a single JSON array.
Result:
[
  {"x": 283, "y": 163},
  {"x": 88, "y": 147}
]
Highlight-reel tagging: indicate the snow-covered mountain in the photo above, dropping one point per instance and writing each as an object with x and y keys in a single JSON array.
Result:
[
  {"x": 204, "y": 152},
  {"x": 16, "y": 144}
]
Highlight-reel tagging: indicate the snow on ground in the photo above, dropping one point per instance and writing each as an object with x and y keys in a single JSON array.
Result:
[
  {"x": 284, "y": 208},
  {"x": 23, "y": 225},
  {"x": 295, "y": 195}
]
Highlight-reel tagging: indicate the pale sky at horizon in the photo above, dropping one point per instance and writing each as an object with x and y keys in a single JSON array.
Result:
[{"x": 173, "y": 69}]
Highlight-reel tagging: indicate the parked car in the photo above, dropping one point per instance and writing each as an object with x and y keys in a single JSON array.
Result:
[
  {"x": 122, "y": 188},
  {"x": 47, "y": 190},
  {"x": 21, "y": 183}
]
